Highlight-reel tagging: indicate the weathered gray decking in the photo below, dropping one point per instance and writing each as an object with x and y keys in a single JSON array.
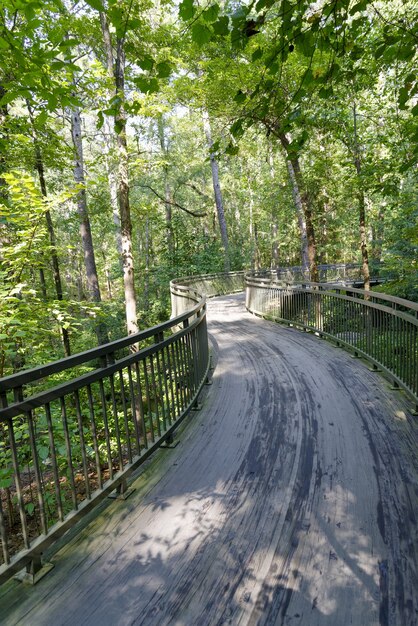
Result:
[{"x": 291, "y": 499}]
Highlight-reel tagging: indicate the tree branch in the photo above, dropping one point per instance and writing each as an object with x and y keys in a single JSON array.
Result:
[{"x": 175, "y": 204}]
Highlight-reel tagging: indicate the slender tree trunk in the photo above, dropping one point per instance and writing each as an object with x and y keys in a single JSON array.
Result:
[
  {"x": 122, "y": 174},
  {"x": 167, "y": 189},
  {"x": 85, "y": 227},
  {"x": 274, "y": 224},
  {"x": 361, "y": 205},
  {"x": 304, "y": 212},
  {"x": 109, "y": 140},
  {"x": 378, "y": 232},
  {"x": 39, "y": 164},
  {"x": 3, "y": 140},
  {"x": 217, "y": 191}
]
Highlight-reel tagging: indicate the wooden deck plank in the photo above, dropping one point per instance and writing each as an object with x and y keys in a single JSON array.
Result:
[{"x": 291, "y": 499}]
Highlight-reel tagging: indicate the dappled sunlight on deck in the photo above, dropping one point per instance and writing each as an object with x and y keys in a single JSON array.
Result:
[{"x": 289, "y": 500}]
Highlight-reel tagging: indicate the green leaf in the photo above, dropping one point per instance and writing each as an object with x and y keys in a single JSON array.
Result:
[
  {"x": 359, "y": 6},
  {"x": 264, "y": 4},
  {"x": 146, "y": 63},
  {"x": 100, "y": 119},
  {"x": 96, "y": 4},
  {"x": 211, "y": 13},
  {"x": 30, "y": 507},
  {"x": 237, "y": 129},
  {"x": 164, "y": 69},
  {"x": 43, "y": 452},
  {"x": 257, "y": 54},
  {"x": 240, "y": 97},
  {"x": 187, "y": 10},
  {"x": 221, "y": 27},
  {"x": 201, "y": 34},
  {"x": 147, "y": 85},
  {"x": 231, "y": 149}
]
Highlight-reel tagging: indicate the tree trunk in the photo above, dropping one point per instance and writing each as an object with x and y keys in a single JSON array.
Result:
[
  {"x": 274, "y": 224},
  {"x": 39, "y": 164},
  {"x": 3, "y": 143},
  {"x": 217, "y": 190},
  {"x": 109, "y": 141},
  {"x": 85, "y": 228},
  {"x": 123, "y": 194},
  {"x": 167, "y": 190},
  {"x": 122, "y": 174},
  {"x": 361, "y": 206},
  {"x": 304, "y": 212}
]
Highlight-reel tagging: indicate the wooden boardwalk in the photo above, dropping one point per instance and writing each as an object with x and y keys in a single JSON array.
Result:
[{"x": 292, "y": 498}]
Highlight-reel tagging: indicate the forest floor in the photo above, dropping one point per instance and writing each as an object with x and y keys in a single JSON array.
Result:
[{"x": 292, "y": 498}]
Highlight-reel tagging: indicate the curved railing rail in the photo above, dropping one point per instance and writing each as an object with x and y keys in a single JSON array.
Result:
[
  {"x": 379, "y": 327},
  {"x": 347, "y": 273},
  {"x": 72, "y": 431},
  {"x": 186, "y": 291}
]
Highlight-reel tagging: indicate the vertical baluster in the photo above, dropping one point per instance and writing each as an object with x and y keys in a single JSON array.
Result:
[
  {"x": 57, "y": 486},
  {"x": 3, "y": 533},
  {"x": 183, "y": 370},
  {"x": 177, "y": 379},
  {"x": 68, "y": 450},
  {"x": 134, "y": 410},
  {"x": 82, "y": 444},
  {"x": 106, "y": 428},
  {"x": 18, "y": 484},
  {"x": 115, "y": 414},
  {"x": 154, "y": 388},
  {"x": 94, "y": 435},
  {"x": 38, "y": 478},
  {"x": 188, "y": 365},
  {"x": 166, "y": 385},
  {"x": 3, "y": 536},
  {"x": 173, "y": 386},
  {"x": 125, "y": 414},
  {"x": 141, "y": 406},
  {"x": 148, "y": 397},
  {"x": 159, "y": 361}
]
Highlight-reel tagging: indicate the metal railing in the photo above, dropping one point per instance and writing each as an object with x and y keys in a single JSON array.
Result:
[
  {"x": 72, "y": 431},
  {"x": 347, "y": 273},
  {"x": 186, "y": 291},
  {"x": 379, "y": 327}
]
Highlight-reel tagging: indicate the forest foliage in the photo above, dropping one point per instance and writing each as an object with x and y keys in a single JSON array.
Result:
[{"x": 141, "y": 141}]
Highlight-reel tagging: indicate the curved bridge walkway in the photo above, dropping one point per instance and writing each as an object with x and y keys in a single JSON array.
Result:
[{"x": 290, "y": 499}]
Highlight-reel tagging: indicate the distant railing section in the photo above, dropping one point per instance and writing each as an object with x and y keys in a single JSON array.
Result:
[
  {"x": 350, "y": 273},
  {"x": 185, "y": 291},
  {"x": 382, "y": 328},
  {"x": 72, "y": 431}
]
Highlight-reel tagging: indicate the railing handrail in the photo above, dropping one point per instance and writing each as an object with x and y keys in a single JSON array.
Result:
[
  {"x": 380, "y": 327},
  {"x": 333, "y": 286},
  {"x": 93, "y": 429},
  {"x": 54, "y": 367}
]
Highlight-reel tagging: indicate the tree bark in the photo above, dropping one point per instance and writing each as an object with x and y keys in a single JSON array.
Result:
[
  {"x": 3, "y": 140},
  {"x": 167, "y": 190},
  {"x": 109, "y": 132},
  {"x": 362, "y": 207},
  {"x": 274, "y": 224},
  {"x": 39, "y": 165},
  {"x": 304, "y": 212},
  {"x": 85, "y": 227},
  {"x": 217, "y": 191},
  {"x": 122, "y": 173}
]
